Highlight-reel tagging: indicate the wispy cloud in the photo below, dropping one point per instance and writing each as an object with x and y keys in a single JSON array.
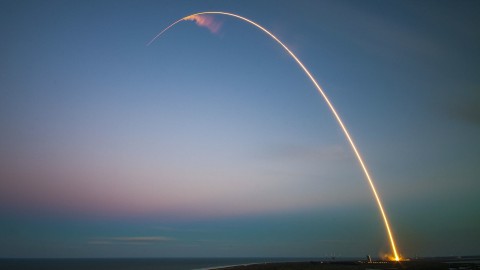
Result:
[
  {"x": 172, "y": 229},
  {"x": 205, "y": 21},
  {"x": 385, "y": 36},
  {"x": 99, "y": 242},
  {"x": 130, "y": 240},
  {"x": 142, "y": 239},
  {"x": 466, "y": 109},
  {"x": 462, "y": 105}
]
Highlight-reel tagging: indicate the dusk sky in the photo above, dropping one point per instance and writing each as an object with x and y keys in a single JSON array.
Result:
[{"x": 214, "y": 143}]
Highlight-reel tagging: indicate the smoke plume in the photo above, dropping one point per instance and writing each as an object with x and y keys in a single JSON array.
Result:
[{"x": 205, "y": 21}]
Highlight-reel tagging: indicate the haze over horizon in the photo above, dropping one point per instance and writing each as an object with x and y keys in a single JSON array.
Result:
[{"x": 213, "y": 143}]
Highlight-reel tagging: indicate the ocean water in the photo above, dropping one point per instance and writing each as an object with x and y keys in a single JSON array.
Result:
[{"x": 133, "y": 264}]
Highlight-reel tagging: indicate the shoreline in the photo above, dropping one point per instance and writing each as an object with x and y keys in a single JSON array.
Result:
[{"x": 355, "y": 265}]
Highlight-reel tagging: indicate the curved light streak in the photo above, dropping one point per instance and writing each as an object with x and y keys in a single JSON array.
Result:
[{"x": 327, "y": 100}]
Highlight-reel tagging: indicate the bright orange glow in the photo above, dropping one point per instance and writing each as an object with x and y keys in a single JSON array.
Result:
[
  {"x": 393, "y": 258},
  {"x": 327, "y": 100},
  {"x": 396, "y": 259}
]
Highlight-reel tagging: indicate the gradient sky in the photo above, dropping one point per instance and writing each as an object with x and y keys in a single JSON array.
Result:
[{"x": 217, "y": 144}]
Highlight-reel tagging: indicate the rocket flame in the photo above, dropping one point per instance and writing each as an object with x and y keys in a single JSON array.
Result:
[
  {"x": 205, "y": 21},
  {"x": 196, "y": 16}
]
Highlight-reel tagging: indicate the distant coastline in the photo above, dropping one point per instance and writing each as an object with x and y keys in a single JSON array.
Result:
[
  {"x": 430, "y": 263},
  {"x": 137, "y": 263},
  {"x": 255, "y": 263}
]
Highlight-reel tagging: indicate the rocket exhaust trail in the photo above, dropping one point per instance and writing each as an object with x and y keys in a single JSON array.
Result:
[{"x": 327, "y": 100}]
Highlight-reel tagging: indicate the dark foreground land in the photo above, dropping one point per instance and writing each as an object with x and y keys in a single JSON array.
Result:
[{"x": 357, "y": 265}]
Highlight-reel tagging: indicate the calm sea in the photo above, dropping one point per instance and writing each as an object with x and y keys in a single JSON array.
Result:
[{"x": 133, "y": 264}]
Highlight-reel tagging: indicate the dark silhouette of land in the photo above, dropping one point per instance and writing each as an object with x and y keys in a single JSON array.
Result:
[{"x": 444, "y": 263}]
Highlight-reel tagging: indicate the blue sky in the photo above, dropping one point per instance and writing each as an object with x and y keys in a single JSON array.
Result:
[{"x": 217, "y": 144}]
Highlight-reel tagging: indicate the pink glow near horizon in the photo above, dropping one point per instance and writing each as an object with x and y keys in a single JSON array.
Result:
[{"x": 115, "y": 188}]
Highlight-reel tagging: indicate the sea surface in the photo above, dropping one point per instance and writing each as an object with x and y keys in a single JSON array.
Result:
[{"x": 134, "y": 264}]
